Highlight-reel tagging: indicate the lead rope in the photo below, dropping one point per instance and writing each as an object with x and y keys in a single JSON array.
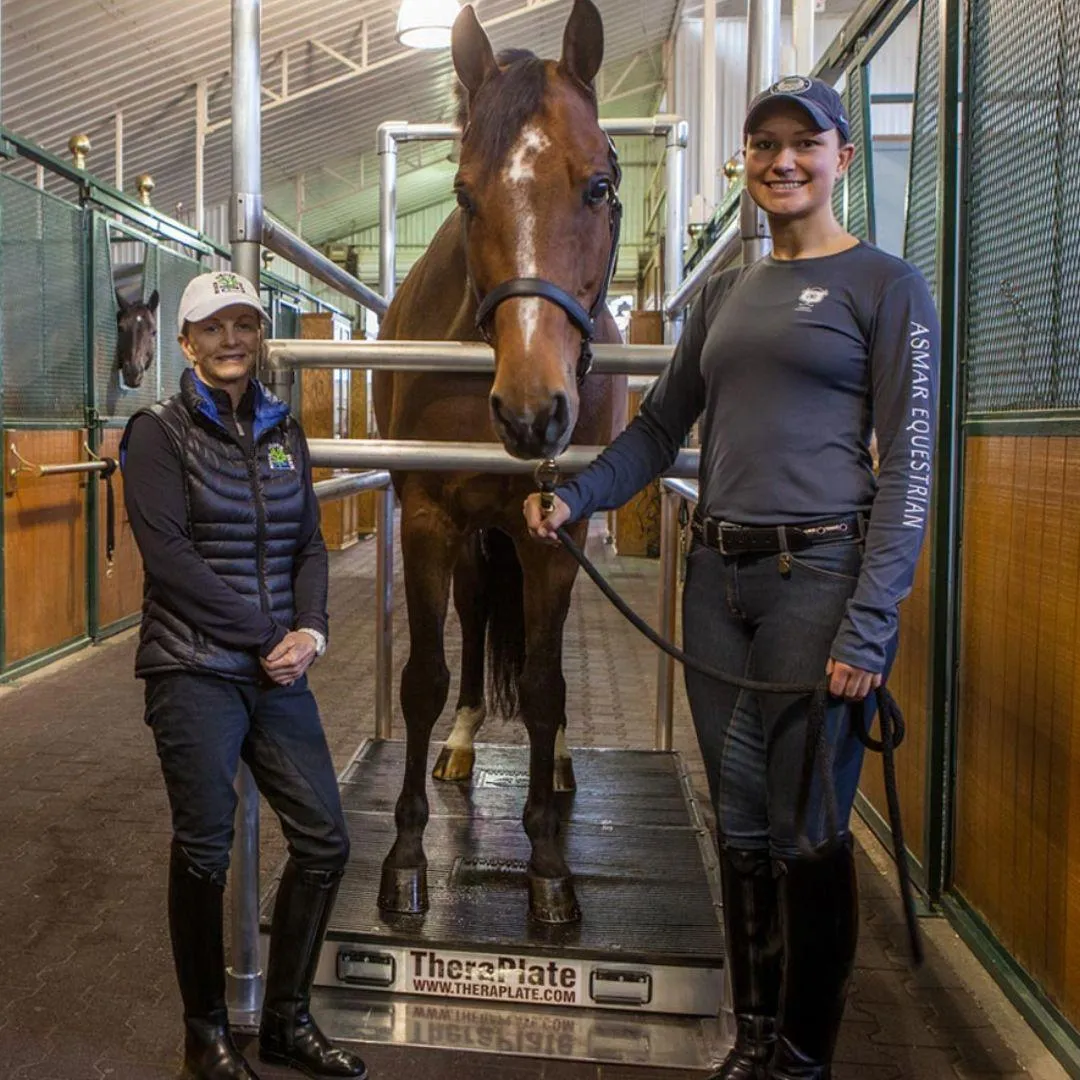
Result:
[{"x": 817, "y": 757}]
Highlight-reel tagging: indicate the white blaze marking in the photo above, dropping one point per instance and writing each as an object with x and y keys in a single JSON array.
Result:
[{"x": 517, "y": 175}]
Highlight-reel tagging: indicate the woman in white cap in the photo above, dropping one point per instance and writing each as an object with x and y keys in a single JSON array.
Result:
[
  {"x": 218, "y": 488},
  {"x": 800, "y": 556}
]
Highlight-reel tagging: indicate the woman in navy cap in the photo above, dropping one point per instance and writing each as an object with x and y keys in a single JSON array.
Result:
[{"x": 800, "y": 555}]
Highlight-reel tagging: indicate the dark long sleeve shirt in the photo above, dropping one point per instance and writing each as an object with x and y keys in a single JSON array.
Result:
[
  {"x": 157, "y": 508},
  {"x": 790, "y": 365}
]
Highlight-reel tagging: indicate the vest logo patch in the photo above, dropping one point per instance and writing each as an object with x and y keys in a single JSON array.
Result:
[
  {"x": 280, "y": 458},
  {"x": 810, "y": 297}
]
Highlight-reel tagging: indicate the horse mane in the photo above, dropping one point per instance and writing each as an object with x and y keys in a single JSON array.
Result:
[{"x": 504, "y": 104}]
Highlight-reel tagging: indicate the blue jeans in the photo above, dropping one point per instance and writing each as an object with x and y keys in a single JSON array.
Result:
[
  {"x": 204, "y": 726},
  {"x": 741, "y": 614}
]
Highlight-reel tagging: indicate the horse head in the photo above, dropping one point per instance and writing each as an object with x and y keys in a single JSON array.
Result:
[
  {"x": 537, "y": 189},
  {"x": 136, "y": 338}
]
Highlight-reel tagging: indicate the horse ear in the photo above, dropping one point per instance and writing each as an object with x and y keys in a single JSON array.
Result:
[
  {"x": 152, "y": 303},
  {"x": 474, "y": 58},
  {"x": 121, "y": 302},
  {"x": 583, "y": 42}
]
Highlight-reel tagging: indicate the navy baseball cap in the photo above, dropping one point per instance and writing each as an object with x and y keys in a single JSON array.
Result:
[{"x": 817, "y": 98}]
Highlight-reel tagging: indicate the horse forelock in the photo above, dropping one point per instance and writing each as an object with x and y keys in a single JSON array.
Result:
[{"x": 504, "y": 105}]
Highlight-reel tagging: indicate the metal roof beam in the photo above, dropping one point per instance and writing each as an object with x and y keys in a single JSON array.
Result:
[{"x": 365, "y": 67}]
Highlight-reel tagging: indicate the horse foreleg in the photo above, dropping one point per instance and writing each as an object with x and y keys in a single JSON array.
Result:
[
  {"x": 429, "y": 545},
  {"x": 549, "y": 578},
  {"x": 458, "y": 755}
]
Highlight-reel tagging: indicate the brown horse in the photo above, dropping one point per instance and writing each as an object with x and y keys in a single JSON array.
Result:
[{"x": 524, "y": 263}]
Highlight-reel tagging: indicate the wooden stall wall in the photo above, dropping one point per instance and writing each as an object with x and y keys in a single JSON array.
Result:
[
  {"x": 637, "y": 524},
  {"x": 909, "y": 683},
  {"x": 44, "y": 545},
  {"x": 119, "y": 591},
  {"x": 340, "y": 518},
  {"x": 1017, "y": 814}
]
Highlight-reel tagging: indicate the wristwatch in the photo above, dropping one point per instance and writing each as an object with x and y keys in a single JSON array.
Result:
[{"x": 318, "y": 637}]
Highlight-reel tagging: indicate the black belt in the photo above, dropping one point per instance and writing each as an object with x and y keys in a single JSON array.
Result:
[{"x": 731, "y": 539}]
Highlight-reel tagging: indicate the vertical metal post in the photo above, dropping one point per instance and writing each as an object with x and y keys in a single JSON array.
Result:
[
  {"x": 709, "y": 133},
  {"x": 675, "y": 179},
  {"x": 201, "y": 121},
  {"x": 763, "y": 56},
  {"x": 669, "y": 588},
  {"x": 384, "y": 613},
  {"x": 118, "y": 151},
  {"x": 387, "y": 146},
  {"x": 802, "y": 32},
  {"x": 245, "y": 975},
  {"x": 245, "y": 982},
  {"x": 946, "y": 518}
]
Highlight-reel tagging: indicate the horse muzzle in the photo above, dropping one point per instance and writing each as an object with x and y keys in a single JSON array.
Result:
[{"x": 533, "y": 433}]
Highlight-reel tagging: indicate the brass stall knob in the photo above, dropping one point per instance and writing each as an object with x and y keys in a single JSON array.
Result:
[
  {"x": 733, "y": 169},
  {"x": 79, "y": 145},
  {"x": 144, "y": 184}
]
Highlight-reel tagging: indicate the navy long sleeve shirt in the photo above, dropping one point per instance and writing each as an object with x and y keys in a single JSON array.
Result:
[{"x": 790, "y": 366}]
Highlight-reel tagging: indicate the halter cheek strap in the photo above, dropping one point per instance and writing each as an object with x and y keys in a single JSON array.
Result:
[{"x": 542, "y": 289}]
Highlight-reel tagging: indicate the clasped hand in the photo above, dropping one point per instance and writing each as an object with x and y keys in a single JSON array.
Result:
[{"x": 290, "y": 658}]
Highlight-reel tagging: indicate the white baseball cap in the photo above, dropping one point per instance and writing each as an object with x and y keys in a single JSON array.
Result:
[{"x": 208, "y": 293}]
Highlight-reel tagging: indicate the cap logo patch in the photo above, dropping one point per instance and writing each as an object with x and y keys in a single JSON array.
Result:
[
  {"x": 792, "y": 84},
  {"x": 227, "y": 283}
]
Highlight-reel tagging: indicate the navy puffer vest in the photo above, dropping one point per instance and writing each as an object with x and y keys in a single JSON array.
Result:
[{"x": 245, "y": 517}]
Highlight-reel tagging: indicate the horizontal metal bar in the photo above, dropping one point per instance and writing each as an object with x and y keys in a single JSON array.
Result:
[
  {"x": 727, "y": 247},
  {"x": 340, "y": 487},
  {"x": 74, "y": 467},
  {"x": 458, "y": 457},
  {"x": 688, "y": 489},
  {"x": 399, "y": 131},
  {"x": 445, "y": 356},
  {"x": 289, "y": 246}
]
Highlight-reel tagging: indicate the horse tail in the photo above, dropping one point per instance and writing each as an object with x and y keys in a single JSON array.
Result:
[{"x": 506, "y": 620}]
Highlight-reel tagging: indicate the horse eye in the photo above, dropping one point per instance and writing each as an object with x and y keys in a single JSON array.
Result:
[
  {"x": 599, "y": 190},
  {"x": 464, "y": 201}
]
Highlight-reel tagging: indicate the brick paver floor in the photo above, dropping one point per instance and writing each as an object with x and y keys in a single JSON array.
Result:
[{"x": 86, "y": 984}]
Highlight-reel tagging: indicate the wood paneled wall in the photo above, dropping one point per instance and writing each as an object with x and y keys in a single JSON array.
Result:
[
  {"x": 119, "y": 593},
  {"x": 909, "y": 683},
  {"x": 1017, "y": 837},
  {"x": 44, "y": 546}
]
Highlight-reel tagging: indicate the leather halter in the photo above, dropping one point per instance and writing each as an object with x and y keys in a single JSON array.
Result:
[{"x": 584, "y": 320}]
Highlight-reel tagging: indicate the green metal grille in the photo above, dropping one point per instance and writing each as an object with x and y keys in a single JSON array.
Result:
[
  {"x": 174, "y": 272},
  {"x": 860, "y": 178},
  {"x": 922, "y": 222},
  {"x": 42, "y": 302},
  {"x": 1024, "y": 220}
]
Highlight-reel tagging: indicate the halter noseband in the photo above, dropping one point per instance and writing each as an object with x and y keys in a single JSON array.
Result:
[{"x": 584, "y": 320}]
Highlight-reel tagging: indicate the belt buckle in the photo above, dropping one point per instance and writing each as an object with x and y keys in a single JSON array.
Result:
[{"x": 720, "y": 527}]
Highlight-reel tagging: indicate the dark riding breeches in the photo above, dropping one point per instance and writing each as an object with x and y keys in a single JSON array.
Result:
[
  {"x": 772, "y": 621},
  {"x": 204, "y": 726}
]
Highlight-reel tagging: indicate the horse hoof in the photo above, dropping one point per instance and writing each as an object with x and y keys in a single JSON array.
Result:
[
  {"x": 454, "y": 765},
  {"x": 552, "y": 900},
  {"x": 564, "y": 774},
  {"x": 403, "y": 890}
]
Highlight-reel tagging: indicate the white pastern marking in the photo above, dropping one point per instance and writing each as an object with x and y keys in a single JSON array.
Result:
[
  {"x": 561, "y": 749},
  {"x": 467, "y": 723}
]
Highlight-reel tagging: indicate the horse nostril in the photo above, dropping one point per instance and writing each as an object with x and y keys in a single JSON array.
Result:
[{"x": 551, "y": 424}]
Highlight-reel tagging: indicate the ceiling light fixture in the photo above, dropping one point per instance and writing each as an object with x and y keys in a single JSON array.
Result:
[{"x": 425, "y": 24}]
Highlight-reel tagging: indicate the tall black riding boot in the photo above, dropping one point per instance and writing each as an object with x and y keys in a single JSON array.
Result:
[
  {"x": 195, "y": 912},
  {"x": 288, "y": 1035},
  {"x": 819, "y": 907},
  {"x": 752, "y": 933}
]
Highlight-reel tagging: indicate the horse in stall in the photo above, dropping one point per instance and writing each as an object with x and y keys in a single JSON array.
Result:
[
  {"x": 136, "y": 338},
  {"x": 524, "y": 263}
]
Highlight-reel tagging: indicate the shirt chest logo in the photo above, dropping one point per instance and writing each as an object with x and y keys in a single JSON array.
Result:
[
  {"x": 280, "y": 458},
  {"x": 810, "y": 297}
]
